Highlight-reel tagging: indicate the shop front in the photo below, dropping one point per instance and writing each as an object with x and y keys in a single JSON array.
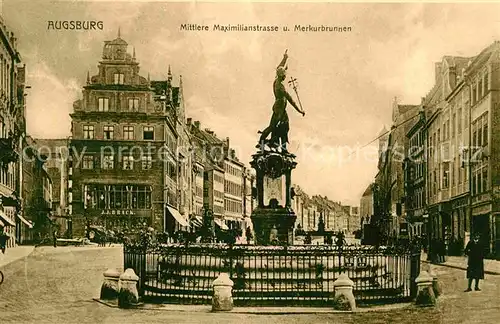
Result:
[
  {"x": 458, "y": 228},
  {"x": 482, "y": 223}
]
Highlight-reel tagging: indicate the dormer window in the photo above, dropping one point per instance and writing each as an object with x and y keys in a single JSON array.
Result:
[{"x": 119, "y": 78}]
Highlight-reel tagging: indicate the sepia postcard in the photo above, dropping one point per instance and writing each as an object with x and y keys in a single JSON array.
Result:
[{"x": 251, "y": 162}]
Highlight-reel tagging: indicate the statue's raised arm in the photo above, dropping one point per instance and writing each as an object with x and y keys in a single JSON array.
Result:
[{"x": 283, "y": 60}]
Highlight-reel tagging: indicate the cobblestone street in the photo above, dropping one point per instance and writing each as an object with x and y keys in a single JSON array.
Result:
[{"x": 57, "y": 286}]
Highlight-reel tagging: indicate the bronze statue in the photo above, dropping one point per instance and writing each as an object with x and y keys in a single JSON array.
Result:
[{"x": 279, "y": 125}]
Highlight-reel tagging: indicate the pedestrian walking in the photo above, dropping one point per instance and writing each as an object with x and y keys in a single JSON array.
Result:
[
  {"x": 54, "y": 238},
  {"x": 3, "y": 240},
  {"x": 475, "y": 262}
]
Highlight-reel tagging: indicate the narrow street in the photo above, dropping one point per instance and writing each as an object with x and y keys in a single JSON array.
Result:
[{"x": 57, "y": 286}]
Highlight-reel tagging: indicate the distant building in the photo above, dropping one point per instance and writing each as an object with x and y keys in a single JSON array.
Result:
[
  {"x": 56, "y": 165},
  {"x": 37, "y": 195},
  {"x": 415, "y": 180},
  {"x": 211, "y": 151},
  {"x": 366, "y": 205},
  {"x": 298, "y": 202},
  {"x": 233, "y": 188}
]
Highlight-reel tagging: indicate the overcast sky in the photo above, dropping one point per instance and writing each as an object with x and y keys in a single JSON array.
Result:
[{"x": 347, "y": 81}]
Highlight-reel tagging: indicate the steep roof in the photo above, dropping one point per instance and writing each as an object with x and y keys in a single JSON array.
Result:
[
  {"x": 368, "y": 191},
  {"x": 118, "y": 41},
  {"x": 484, "y": 56}
]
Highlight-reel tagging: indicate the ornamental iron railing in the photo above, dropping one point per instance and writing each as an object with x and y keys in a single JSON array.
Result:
[{"x": 269, "y": 275}]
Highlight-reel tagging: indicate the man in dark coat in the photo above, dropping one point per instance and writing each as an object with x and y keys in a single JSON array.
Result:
[
  {"x": 3, "y": 240},
  {"x": 475, "y": 262}
]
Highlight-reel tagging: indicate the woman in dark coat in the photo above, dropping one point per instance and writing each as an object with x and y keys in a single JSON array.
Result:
[{"x": 475, "y": 262}]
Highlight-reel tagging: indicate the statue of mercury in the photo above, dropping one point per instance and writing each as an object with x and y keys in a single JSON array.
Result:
[{"x": 279, "y": 125}]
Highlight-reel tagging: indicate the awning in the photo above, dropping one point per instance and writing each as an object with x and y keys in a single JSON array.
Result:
[
  {"x": 178, "y": 217},
  {"x": 221, "y": 223},
  {"x": 6, "y": 220},
  {"x": 196, "y": 221},
  {"x": 25, "y": 221}
]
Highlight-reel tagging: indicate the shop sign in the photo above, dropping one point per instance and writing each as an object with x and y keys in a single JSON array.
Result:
[{"x": 117, "y": 212}]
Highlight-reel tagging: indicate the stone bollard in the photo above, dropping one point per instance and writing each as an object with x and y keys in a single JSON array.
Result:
[
  {"x": 109, "y": 288},
  {"x": 344, "y": 298},
  {"x": 128, "y": 296},
  {"x": 425, "y": 294},
  {"x": 223, "y": 298},
  {"x": 436, "y": 286}
]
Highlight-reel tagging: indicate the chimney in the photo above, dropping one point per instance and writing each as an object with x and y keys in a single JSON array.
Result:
[
  {"x": 189, "y": 121},
  {"x": 197, "y": 124},
  {"x": 227, "y": 141}
]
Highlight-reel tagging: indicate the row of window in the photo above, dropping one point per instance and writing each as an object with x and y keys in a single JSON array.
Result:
[
  {"x": 480, "y": 88},
  {"x": 451, "y": 172},
  {"x": 417, "y": 140},
  {"x": 5, "y": 80},
  {"x": 7, "y": 175},
  {"x": 232, "y": 170},
  {"x": 104, "y": 106},
  {"x": 108, "y": 162},
  {"x": 218, "y": 178},
  {"x": 480, "y": 181},
  {"x": 416, "y": 171},
  {"x": 148, "y": 133},
  {"x": 199, "y": 191},
  {"x": 480, "y": 131},
  {"x": 233, "y": 206},
  {"x": 172, "y": 197},
  {"x": 419, "y": 198},
  {"x": 450, "y": 130},
  {"x": 4, "y": 130},
  {"x": 218, "y": 194},
  {"x": 233, "y": 188},
  {"x": 117, "y": 196}
]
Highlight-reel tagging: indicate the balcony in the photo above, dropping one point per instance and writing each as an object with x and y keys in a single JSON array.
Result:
[{"x": 7, "y": 150}]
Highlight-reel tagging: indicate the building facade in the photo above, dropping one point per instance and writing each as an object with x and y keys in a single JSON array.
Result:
[
  {"x": 56, "y": 166},
  {"x": 12, "y": 132},
  {"x": 234, "y": 194},
  {"x": 415, "y": 180},
  {"x": 124, "y": 140},
  {"x": 366, "y": 205},
  {"x": 447, "y": 128},
  {"x": 482, "y": 80},
  {"x": 37, "y": 196}
]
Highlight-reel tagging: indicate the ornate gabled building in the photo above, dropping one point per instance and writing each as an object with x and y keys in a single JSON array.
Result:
[{"x": 125, "y": 169}]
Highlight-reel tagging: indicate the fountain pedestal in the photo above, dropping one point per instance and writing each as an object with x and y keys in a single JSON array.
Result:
[{"x": 273, "y": 219}]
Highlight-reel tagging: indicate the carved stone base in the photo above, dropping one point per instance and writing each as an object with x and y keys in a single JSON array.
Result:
[{"x": 265, "y": 219}]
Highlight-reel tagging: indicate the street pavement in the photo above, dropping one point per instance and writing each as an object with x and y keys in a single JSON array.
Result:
[
  {"x": 460, "y": 262},
  {"x": 14, "y": 254},
  {"x": 57, "y": 285}
]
